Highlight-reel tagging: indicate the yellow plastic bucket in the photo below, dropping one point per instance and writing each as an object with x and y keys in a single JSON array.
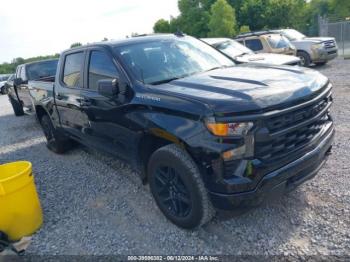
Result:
[{"x": 20, "y": 210}]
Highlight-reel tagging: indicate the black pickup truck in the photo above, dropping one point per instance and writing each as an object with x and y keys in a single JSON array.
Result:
[
  {"x": 19, "y": 90},
  {"x": 205, "y": 133}
]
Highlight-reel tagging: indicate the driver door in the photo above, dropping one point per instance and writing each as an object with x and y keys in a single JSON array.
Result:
[{"x": 107, "y": 125}]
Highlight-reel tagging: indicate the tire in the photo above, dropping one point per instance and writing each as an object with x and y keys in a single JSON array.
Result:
[
  {"x": 305, "y": 59},
  {"x": 178, "y": 189},
  {"x": 17, "y": 107},
  {"x": 55, "y": 141}
]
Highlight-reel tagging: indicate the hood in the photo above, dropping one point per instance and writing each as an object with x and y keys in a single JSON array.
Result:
[
  {"x": 315, "y": 39},
  {"x": 248, "y": 87},
  {"x": 267, "y": 58}
]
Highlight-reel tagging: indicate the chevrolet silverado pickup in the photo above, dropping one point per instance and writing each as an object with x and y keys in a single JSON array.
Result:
[{"x": 206, "y": 134}]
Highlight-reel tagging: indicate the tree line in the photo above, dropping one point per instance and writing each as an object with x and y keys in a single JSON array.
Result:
[{"x": 226, "y": 18}]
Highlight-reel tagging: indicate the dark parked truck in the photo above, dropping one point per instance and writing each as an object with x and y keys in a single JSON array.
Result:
[
  {"x": 19, "y": 90},
  {"x": 204, "y": 133}
]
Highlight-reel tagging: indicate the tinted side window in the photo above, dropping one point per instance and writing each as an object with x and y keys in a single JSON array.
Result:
[
  {"x": 254, "y": 44},
  {"x": 100, "y": 67},
  {"x": 72, "y": 69}
]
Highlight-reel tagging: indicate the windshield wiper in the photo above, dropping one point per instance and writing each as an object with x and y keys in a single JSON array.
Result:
[{"x": 164, "y": 81}]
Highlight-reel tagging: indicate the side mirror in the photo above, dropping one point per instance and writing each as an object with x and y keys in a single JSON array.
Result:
[
  {"x": 17, "y": 81},
  {"x": 108, "y": 87}
]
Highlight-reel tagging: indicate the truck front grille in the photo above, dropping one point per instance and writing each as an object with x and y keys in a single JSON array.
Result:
[
  {"x": 329, "y": 44},
  {"x": 287, "y": 133}
]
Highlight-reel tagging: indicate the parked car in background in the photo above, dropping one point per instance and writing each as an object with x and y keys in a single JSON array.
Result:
[
  {"x": 242, "y": 54},
  {"x": 317, "y": 50},
  {"x": 19, "y": 91},
  {"x": 8, "y": 83},
  {"x": 267, "y": 42},
  {"x": 204, "y": 133},
  {"x": 3, "y": 80}
]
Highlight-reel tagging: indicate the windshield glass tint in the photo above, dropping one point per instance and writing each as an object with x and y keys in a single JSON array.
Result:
[
  {"x": 278, "y": 41},
  {"x": 158, "y": 61},
  {"x": 233, "y": 48},
  {"x": 292, "y": 34},
  {"x": 42, "y": 69}
]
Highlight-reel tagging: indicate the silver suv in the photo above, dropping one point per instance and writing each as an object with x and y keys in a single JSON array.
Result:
[{"x": 317, "y": 50}]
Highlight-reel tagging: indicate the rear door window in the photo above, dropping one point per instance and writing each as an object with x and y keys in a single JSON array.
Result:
[
  {"x": 254, "y": 44},
  {"x": 42, "y": 69},
  {"x": 72, "y": 69},
  {"x": 101, "y": 67}
]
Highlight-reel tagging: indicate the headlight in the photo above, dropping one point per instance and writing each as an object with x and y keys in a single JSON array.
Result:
[
  {"x": 228, "y": 129},
  {"x": 317, "y": 46}
]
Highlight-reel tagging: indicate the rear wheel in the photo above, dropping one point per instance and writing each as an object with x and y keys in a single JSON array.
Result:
[
  {"x": 17, "y": 107},
  {"x": 55, "y": 141},
  {"x": 178, "y": 188},
  {"x": 305, "y": 59}
]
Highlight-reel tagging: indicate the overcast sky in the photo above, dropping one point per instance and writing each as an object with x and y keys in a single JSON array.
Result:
[{"x": 41, "y": 27}]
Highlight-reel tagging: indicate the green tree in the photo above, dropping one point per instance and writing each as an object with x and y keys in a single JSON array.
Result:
[
  {"x": 285, "y": 13},
  {"x": 244, "y": 29},
  {"x": 162, "y": 26},
  {"x": 222, "y": 21},
  {"x": 194, "y": 17},
  {"x": 340, "y": 8},
  {"x": 77, "y": 44},
  {"x": 253, "y": 14}
]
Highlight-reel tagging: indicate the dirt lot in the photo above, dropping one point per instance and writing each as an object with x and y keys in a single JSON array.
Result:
[{"x": 94, "y": 204}]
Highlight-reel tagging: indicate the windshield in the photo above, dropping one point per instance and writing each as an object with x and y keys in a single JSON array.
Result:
[
  {"x": 278, "y": 41},
  {"x": 42, "y": 69},
  {"x": 233, "y": 48},
  {"x": 161, "y": 61},
  {"x": 292, "y": 34}
]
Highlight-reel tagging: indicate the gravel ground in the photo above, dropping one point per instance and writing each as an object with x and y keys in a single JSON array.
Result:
[{"x": 94, "y": 204}]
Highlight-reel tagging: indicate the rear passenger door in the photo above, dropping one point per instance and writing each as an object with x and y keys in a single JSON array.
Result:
[{"x": 68, "y": 93}]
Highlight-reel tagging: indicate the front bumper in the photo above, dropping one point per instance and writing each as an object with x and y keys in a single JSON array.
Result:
[
  {"x": 324, "y": 55},
  {"x": 279, "y": 181}
]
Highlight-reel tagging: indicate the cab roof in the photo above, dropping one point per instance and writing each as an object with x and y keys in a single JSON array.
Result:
[{"x": 131, "y": 40}]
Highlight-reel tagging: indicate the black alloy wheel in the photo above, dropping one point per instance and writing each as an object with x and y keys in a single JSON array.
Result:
[{"x": 172, "y": 192}]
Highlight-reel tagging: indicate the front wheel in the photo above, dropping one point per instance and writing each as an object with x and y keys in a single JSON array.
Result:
[
  {"x": 178, "y": 188},
  {"x": 305, "y": 59}
]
